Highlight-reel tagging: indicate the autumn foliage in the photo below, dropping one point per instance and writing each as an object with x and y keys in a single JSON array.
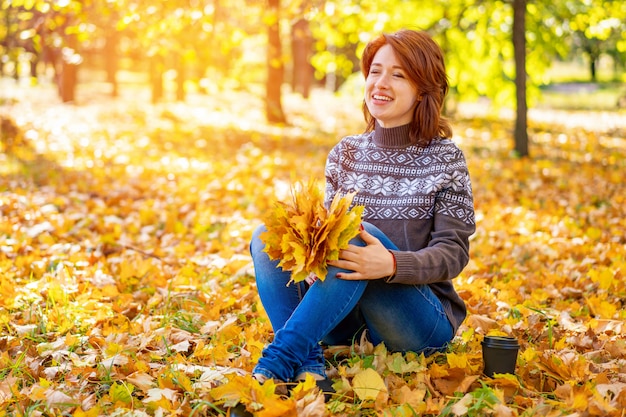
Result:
[
  {"x": 127, "y": 288},
  {"x": 304, "y": 234}
]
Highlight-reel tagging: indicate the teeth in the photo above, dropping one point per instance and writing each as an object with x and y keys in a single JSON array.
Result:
[{"x": 385, "y": 98}]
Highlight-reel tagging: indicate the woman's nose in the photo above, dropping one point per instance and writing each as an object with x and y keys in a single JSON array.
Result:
[{"x": 382, "y": 81}]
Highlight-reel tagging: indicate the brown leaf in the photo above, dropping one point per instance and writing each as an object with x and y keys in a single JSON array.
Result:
[{"x": 141, "y": 380}]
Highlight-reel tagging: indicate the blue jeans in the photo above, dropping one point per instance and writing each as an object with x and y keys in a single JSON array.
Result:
[{"x": 335, "y": 311}]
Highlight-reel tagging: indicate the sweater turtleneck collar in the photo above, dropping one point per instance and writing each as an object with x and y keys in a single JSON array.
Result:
[{"x": 393, "y": 137}]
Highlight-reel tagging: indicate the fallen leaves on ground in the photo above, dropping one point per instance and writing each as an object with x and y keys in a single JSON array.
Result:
[{"x": 127, "y": 289}]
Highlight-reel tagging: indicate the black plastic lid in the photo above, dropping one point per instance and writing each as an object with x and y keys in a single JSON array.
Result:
[{"x": 503, "y": 342}]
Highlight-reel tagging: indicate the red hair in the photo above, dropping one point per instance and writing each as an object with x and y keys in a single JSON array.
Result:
[{"x": 422, "y": 60}]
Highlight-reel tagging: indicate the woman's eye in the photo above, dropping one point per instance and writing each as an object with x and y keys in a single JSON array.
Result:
[{"x": 398, "y": 75}]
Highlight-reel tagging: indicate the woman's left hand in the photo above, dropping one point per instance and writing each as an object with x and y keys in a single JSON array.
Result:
[{"x": 372, "y": 261}]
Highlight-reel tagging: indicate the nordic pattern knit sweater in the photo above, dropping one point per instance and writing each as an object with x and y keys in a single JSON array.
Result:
[{"x": 420, "y": 197}]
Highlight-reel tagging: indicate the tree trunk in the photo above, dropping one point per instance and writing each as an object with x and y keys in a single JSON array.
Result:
[
  {"x": 301, "y": 50},
  {"x": 69, "y": 70},
  {"x": 111, "y": 65},
  {"x": 275, "y": 69},
  {"x": 519, "y": 46},
  {"x": 592, "y": 69},
  {"x": 34, "y": 63},
  {"x": 67, "y": 86}
]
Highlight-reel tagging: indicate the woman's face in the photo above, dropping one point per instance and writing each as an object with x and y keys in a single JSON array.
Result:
[{"x": 389, "y": 95}]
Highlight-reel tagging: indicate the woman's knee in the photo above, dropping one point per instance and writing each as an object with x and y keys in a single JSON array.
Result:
[
  {"x": 256, "y": 244},
  {"x": 378, "y": 234}
]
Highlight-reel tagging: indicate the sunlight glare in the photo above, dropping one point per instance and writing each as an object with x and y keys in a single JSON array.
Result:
[
  {"x": 329, "y": 8},
  {"x": 32, "y": 135},
  {"x": 143, "y": 142},
  {"x": 282, "y": 189},
  {"x": 122, "y": 159},
  {"x": 134, "y": 170}
]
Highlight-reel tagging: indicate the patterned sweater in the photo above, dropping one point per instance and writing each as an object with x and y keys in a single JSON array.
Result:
[{"x": 421, "y": 198}]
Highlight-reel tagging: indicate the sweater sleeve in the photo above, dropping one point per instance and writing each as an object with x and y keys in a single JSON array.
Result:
[
  {"x": 332, "y": 185},
  {"x": 447, "y": 252}
]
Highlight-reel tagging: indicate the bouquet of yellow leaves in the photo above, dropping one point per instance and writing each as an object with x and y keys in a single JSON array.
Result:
[{"x": 304, "y": 235}]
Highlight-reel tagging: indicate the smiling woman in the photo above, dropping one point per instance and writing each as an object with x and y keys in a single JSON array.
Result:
[{"x": 413, "y": 183}]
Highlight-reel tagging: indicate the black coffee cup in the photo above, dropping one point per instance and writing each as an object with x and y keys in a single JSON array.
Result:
[{"x": 499, "y": 355}]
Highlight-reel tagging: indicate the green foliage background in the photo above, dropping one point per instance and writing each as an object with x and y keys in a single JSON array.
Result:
[{"x": 225, "y": 42}]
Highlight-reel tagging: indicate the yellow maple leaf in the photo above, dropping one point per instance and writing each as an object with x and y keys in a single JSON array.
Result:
[
  {"x": 257, "y": 397},
  {"x": 304, "y": 386},
  {"x": 242, "y": 389},
  {"x": 368, "y": 385},
  {"x": 303, "y": 234},
  {"x": 457, "y": 360}
]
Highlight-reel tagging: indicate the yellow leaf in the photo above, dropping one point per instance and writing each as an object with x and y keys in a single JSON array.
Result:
[
  {"x": 438, "y": 371},
  {"x": 92, "y": 412},
  {"x": 57, "y": 294},
  {"x": 457, "y": 360},
  {"x": 529, "y": 355},
  {"x": 303, "y": 387},
  {"x": 184, "y": 382},
  {"x": 368, "y": 385},
  {"x": 604, "y": 277},
  {"x": 581, "y": 401},
  {"x": 121, "y": 392},
  {"x": 277, "y": 407},
  {"x": 601, "y": 308},
  {"x": 243, "y": 389},
  {"x": 38, "y": 393}
]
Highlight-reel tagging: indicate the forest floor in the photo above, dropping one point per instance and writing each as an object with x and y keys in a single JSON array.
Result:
[{"x": 127, "y": 288}]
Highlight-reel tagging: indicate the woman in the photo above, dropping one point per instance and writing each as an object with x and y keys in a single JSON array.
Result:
[{"x": 394, "y": 280}]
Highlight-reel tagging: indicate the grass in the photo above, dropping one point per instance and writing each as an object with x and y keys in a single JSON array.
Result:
[
  {"x": 568, "y": 86},
  {"x": 605, "y": 96}
]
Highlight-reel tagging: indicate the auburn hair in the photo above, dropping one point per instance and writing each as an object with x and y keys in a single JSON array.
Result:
[{"x": 422, "y": 60}]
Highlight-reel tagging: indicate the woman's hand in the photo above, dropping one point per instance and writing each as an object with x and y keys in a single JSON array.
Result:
[{"x": 373, "y": 261}]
